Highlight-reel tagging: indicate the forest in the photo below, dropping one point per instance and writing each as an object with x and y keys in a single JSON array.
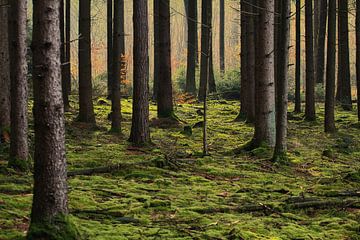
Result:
[{"x": 183, "y": 119}]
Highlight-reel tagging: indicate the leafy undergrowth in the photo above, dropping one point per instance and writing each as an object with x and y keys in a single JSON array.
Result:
[{"x": 168, "y": 191}]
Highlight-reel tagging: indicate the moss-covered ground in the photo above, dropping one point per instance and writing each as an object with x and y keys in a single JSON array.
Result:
[{"x": 175, "y": 193}]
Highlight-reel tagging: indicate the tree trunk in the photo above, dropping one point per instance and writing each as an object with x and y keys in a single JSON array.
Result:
[
  {"x": 310, "y": 114},
  {"x": 109, "y": 9},
  {"x": 192, "y": 47},
  {"x": 222, "y": 37},
  {"x": 265, "y": 92},
  {"x": 282, "y": 78},
  {"x": 118, "y": 52},
  {"x": 156, "y": 49},
  {"x": 358, "y": 55},
  {"x": 65, "y": 93},
  {"x": 316, "y": 29},
  {"x": 19, "y": 87},
  {"x": 244, "y": 22},
  {"x": 330, "y": 69},
  {"x": 298, "y": 59},
  {"x": 206, "y": 20},
  {"x": 140, "y": 132},
  {"x": 50, "y": 187},
  {"x": 165, "y": 108},
  {"x": 344, "y": 82},
  {"x": 67, "y": 70},
  {"x": 320, "y": 55},
  {"x": 86, "y": 108},
  {"x": 4, "y": 73}
]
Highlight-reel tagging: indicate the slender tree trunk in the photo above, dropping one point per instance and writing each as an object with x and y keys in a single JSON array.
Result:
[
  {"x": 320, "y": 56},
  {"x": 330, "y": 70},
  {"x": 65, "y": 93},
  {"x": 19, "y": 86},
  {"x": 282, "y": 78},
  {"x": 156, "y": 49},
  {"x": 67, "y": 70},
  {"x": 344, "y": 82},
  {"x": 244, "y": 61},
  {"x": 140, "y": 132},
  {"x": 86, "y": 108},
  {"x": 298, "y": 59},
  {"x": 358, "y": 55},
  {"x": 50, "y": 187},
  {"x": 4, "y": 73},
  {"x": 265, "y": 92},
  {"x": 316, "y": 28},
  {"x": 222, "y": 37},
  {"x": 310, "y": 113},
  {"x": 118, "y": 52},
  {"x": 109, "y": 9},
  {"x": 192, "y": 47},
  {"x": 165, "y": 97}
]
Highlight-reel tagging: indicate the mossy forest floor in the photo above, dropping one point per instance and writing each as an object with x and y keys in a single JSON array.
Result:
[{"x": 174, "y": 193}]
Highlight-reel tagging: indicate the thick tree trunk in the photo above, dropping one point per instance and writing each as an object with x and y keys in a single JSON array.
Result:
[
  {"x": 192, "y": 47},
  {"x": 140, "y": 132},
  {"x": 86, "y": 108},
  {"x": 282, "y": 78},
  {"x": 50, "y": 187},
  {"x": 298, "y": 59},
  {"x": 320, "y": 55},
  {"x": 19, "y": 86},
  {"x": 165, "y": 108},
  {"x": 109, "y": 10},
  {"x": 118, "y": 52},
  {"x": 4, "y": 72},
  {"x": 206, "y": 20},
  {"x": 222, "y": 37},
  {"x": 265, "y": 92},
  {"x": 330, "y": 69},
  {"x": 156, "y": 48},
  {"x": 344, "y": 83},
  {"x": 67, "y": 66},
  {"x": 358, "y": 55},
  {"x": 310, "y": 113}
]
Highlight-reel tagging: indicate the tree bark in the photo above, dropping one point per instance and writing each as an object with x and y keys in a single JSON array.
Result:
[
  {"x": 330, "y": 70},
  {"x": 310, "y": 113},
  {"x": 222, "y": 37},
  {"x": 118, "y": 52},
  {"x": 19, "y": 87},
  {"x": 298, "y": 59},
  {"x": 140, "y": 132},
  {"x": 64, "y": 82},
  {"x": 192, "y": 47},
  {"x": 358, "y": 55},
  {"x": 86, "y": 108},
  {"x": 4, "y": 72},
  {"x": 165, "y": 108},
  {"x": 67, "y": 66},
  {"x": 50, "y": 186},
  {"x": 244, "y": 22},
  {"x": 265, "y": 92},
  {"x": 282, "y": 78},
  {"x": 320, "y": 55},
  {"x": 109, "y": 10},
  {"x": 156, "y": 49},
  {"x": 344, "y": 83}
]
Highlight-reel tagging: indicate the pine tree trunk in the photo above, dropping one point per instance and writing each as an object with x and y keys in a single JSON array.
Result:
[
  {"x": 165, "y": 97},
  {"x": 140, "y": 132},
  {"x": 243, "y": 60},
  {"x": 192, "y": 47},
  {"x": 316, "y": 28},
  {"x": 222, "y": 37},
  {"x": 282, "y": 78},
  {"x": 310, "y": 114},
  {"x": 344, "y": 82},
  {"x": 109, "y": 9},
  {"x": 67, "y": 70},
  {"x": 65, "y": 93},
  {"x": 320, "y": 55},
  {"x": 298, "y": 59},
  {"x": 4, "y": 72},
  {"x": 86, "y": 108},
  {"x": 358, "y": 55},
  {"x": 330, "y": 69},
  {"x": 156, "y": 49},
  {"x": 265, "y": 92},
  {"x": 19, "y": 86},
  {"x": 50, "y": 177},
  {"x": 118, "y": 52}
]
